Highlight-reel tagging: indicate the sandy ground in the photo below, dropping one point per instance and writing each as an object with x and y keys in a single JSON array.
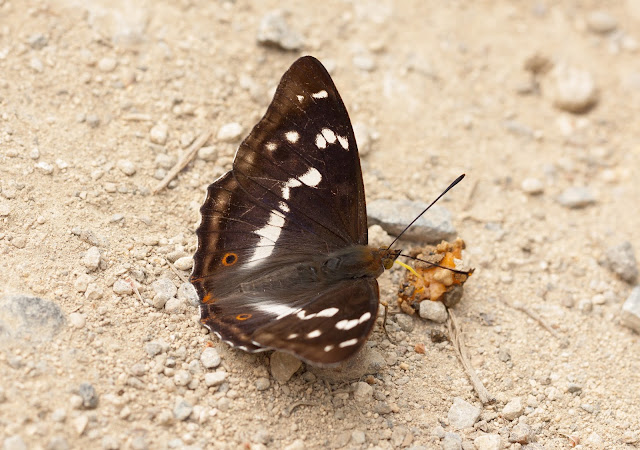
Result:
[{"x": 439, "y": 88}]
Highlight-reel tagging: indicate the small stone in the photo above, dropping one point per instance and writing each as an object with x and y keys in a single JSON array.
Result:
[
  {"x": 153, "y": 348},
  {"x": 184, "y": 263},
  {"x": 283, "y": 366},
  {"x": 601, "y": 22},
  {"x": 405, "y": 322},
  {"x": 187, "y": 292},
  {"x": 364, "y": 61},
  {"x": 488, "y": 442},
  {"x": 382, "y": 408},
  {"x": 208, "y": 153},
  {"x": 89, "y": 396},
  {"x": 58, "y": 443},
  {"x": 36, "y": 64},
  {"x": 521, "y": 433},
  {"x": 164, "y": 289},
  {"x": 262, "y": 384},
  {"x": 5, "y": 209},
  {"x": 182, "y": 410},
  {"x": 126, "y": 167},
  {"x": 182, "y": 378},
  {"x": 229, "y": 132},
  {"x": 574, "y": 90},
  {"x": 394, "y": 215},
  {"x": 159, "y": 133},
  {"x": 210, "y": 358},
  {"x": 275, "y": 31},
  {"x": 165, "y": 161},
  {"x": 362, "y": 392},
  {"x": 298, "y": 444},
  {"x": 59, "y": 415},
  {"x": 513, "y": 409},
  {"x": 363, "y": 138},
  {"x": 576, "y": 197},
  {"x": 44, "y": 167},
  {"x": 37, "y": 41},
  {"x": 107, "y": 64},
  {"x": 358, "y": 437},
  {"x": 532, "y": 186},
  {"x": 175, "y": 306},
  {"x": 82, "y": 282},
  {"x": 452, "y": 441},
  {"x": 14, "y": 442},
  {"x": 91, "y": 259},
  {"x": 110, "y": 442},
  {"x": 214, "y": 378},
  {"x": 574, "y": 388},
  {"x": 93, "y": 120},
  {"x": 122, "y": 287},
  {"x": 462, "y": 414},
  {"x": 630, "y": 314},
  {"x": 621, "y": 260},
  {"x": 434, "y": 311},
  {"x": 398, "y": 435},
  {"x": 93, "y": 292},
  {"x": 77, "y": 320},
  {"x": 80, "y": 424}
]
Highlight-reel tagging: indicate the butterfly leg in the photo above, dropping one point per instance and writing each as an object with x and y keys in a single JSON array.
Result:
[{"x": 384, "y": 321}]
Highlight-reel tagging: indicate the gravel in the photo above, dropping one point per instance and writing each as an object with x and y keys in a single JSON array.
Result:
[
  {"x": 230, "y": 132},
  {"x": 621, "y": 260},
  {"x": 434, "y": 311},
  {"x": 159, "y": 133},
  {"x": 630, "y": 314},
  {"x": 91, "y": 259},
  {"x": 275, "y": 31},
  {"x": 89, "y": 396},
  {"x": 576, "y": 197},
  {"x": 210, "y": 358},
  {"x": 215, "y": 378},
  {"x": 463, "y": 414},
  {"x": 283, "y": 366},
  {"x": 513, "y": 409}
]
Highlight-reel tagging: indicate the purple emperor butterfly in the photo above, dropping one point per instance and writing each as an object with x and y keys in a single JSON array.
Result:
[{"x": 282, "y": 261}]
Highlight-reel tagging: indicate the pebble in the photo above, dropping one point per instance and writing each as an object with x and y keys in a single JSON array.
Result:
[
  {"x": 576, "y": 197},
  {"x": 358, "y": 437},
  {"x": 182, "y": 410},
  {"x": 362, "y": 392},
  {"x": 462, "y": 414},
  {"x": 434, "y": 311},
  {"x": 29, "y": 318},
  {"x": 164, "y": 289},
  {"x": 513, "y": 409},
  {"x": 154, "y": 348},
  {"x": 398, "y": 436},
  {"x": 532, "y": 186},
  {"x": 175, "y": 306},
  {"x": 405, "y": 322},
  {"x": 80, "y": 424},
  {"x": 122, "y": 287},
  {"x": 630, "y": 314},
  {"x": 367, "y": 361},
  {"x": 601, "y": 22},
  {"x": 298, "y": 444},
  {"x": 574, "y": 388},
  {"x": 521, "y": 433},
  {"x": 58, "y": 443},
  {"x": 77, "y": 320},
  {"x": 110, "y": 442},
  {"x": 214, "y": 378},
  {"x": 574, "y": 90},
  {"x": 126, "y": 167},
  {"x": 364, "y": 61},
  {"x": 363, "y": 136},
  {"x": 91, "y": 259},
  {"x": 230, "y": 132},
  {"x": 159, "y": 133},
  {"x": 165, "y": 161},
  {"x": 283, "y": 366},
  {"x": 5, "y": 209},
  {"x": 262, "y": 384},
  {"x": 89, "y": 396},
  {"x": 93, "y": 292},
  {"x": 37, "y": 41},
  {"x": 488, "y": 442},
  {"x": 210, "y": 358},
  {"x": 14, "y": 442},
  {"x": 188, "y": 293},
  {"x": 44, "y": 167},
  {"x": 341, "y": 439},
  {"x": 36, "y": 64},
  {"x": 621, "y": 260},
  {"x": 275, "y": 31},
  {"x": 182, "y": 378},
  {"x": 184, "y": 263},
  {"x": 394, "y": 215},
  {"x": 93, "y": 120},
  {"x": 452, "y": 441},
  {"x": 107, "y": 64},
  {"x": 208, "y": 153}
]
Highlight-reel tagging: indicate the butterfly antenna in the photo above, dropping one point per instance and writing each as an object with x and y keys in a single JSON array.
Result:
[
  {"x": 456, "y": 181},
  {"x": 462, "y": 272}
]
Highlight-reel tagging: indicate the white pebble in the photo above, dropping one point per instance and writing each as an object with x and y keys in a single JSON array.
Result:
[
  {"x": 175, "y": 306},
  {"x": 601, "y": 22},
  {"x": 45, "y": 167},
  {"x": 434, "y": 311},
  {"x": 182, "y": 378},
  {"x": 159, "y": 133},
  {"x": 107, "y": 64},
  {"x": 574, "y": 89},
  {"x": 214, "y": 378},
  {"x": 92, "y": 258},
  {"x": 126, "y": 167},
  {"x": 122, "y": 287},
  {"x": 208, "y": 153},
  {"x": 77, "y": 320},
  {"x": 93, "y": 292},
  {"x": 230, "y": 132},
  {"x": 210, "y": 358},
  {"x": 184, "y": 263},
  {"x": 532, "y": 186}
]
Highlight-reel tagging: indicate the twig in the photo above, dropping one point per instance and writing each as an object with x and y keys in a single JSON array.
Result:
[
  {"x": 135, "y": 289},
  {"x": 287, "y": 412},
  {"x": 472, "y": 192},
  {"x": 535, "y": 316},
  {"x": 136, "y": 117},
  {"x": 184, "y": 160},
  {"x": 176, "y": 271},
  {"x": 455, "y": 334}
]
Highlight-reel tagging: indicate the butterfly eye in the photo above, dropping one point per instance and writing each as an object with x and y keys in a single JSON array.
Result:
[
  {"x": 243, "y": 316},
  {"x": 229, "y": 259}
]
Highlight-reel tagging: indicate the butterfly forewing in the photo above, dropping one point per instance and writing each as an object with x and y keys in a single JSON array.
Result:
[{"x": 293, "y": 196}]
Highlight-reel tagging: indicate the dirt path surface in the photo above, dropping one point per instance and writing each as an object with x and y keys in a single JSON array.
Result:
[{"x": 537, "y": 103}]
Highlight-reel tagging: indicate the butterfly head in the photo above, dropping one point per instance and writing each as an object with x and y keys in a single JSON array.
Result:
[{"x": 389, "y": 256}]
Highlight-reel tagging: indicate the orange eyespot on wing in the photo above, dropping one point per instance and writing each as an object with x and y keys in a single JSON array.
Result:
[
  {"x": 229, "y": 259},
  {"x": 243, "y": 316}
]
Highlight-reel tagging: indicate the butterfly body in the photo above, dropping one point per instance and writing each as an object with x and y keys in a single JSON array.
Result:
[{"x": 283, "y": 260}]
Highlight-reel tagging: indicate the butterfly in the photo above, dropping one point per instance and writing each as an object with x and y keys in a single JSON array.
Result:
[{"x": 282, "y": 261}]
